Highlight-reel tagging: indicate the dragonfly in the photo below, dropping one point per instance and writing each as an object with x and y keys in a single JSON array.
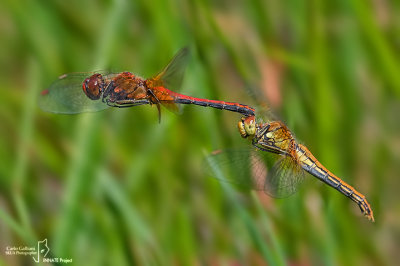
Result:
[
  {"x": 95, "y": 91},
  {"x": 277, "y": 165}
]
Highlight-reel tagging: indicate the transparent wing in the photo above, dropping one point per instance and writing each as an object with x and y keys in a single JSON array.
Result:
[
  {"x": 66, "y": 95},
  {"x": 171, "y": 76},
  {"x": 283, "y": 178},
  {"x": 276, "y": 175},
  {"x": 265, "y": 115},
  {"x": 172, "y": 107}
]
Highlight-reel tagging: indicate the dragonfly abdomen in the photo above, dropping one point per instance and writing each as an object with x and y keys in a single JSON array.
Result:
[
  {"x": 230, "y": 106},
  {"x": 311, "y": 165}
]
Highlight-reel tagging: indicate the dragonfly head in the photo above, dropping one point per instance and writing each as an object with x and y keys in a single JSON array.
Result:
[
  {"x": 93, "y": 86},
  {"x": 247, "y": 126}
]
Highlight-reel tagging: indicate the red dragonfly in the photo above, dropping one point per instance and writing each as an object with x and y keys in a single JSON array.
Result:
[
  {"x": 286, "y": 160},
  {"x": 95, "y": 91}
]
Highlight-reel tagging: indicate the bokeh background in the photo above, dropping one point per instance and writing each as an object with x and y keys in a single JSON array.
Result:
[{"x": 117, "y": 188}]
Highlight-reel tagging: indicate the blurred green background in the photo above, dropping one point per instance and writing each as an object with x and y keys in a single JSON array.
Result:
[{"x": 117, "y": 188}]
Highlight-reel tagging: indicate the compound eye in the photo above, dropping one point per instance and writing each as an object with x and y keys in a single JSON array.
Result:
[
  {"x": 250, "y": 125},
  {"x": 93, "y": 86},
  {"x": 242, "y": 129}
]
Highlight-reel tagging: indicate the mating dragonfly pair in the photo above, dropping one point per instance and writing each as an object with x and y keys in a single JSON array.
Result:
[{"x": 95, "y": 91}]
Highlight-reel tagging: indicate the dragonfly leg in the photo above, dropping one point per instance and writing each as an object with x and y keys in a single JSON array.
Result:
[
  {"x": 108, "y": 90},
  {"x": 268, "y": 149},
  {"x": 157, "y": 103},
  {"x": 159, "y": 112},
  {"x": 126, "y": 103}
]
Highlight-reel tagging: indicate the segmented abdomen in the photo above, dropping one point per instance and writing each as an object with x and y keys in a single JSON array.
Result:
[
  {"x": 310, "y": 164},
  {"x": 230, "y": 106}
]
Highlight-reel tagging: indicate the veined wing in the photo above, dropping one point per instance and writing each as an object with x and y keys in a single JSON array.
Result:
[
  {"x": 284, "y": 178},
  {"x": 66, "y": 95},
  {"x": 276, "y": 175},
  {"x": 171, "y": 76}
]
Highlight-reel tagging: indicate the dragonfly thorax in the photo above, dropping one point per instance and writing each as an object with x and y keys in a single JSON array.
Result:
[
  {"x": 93, "y": 86},
  {"x": 275, "y": 137}
]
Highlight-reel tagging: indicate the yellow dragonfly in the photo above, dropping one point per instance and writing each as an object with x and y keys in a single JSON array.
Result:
[{"x": 278, "y": 177}]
